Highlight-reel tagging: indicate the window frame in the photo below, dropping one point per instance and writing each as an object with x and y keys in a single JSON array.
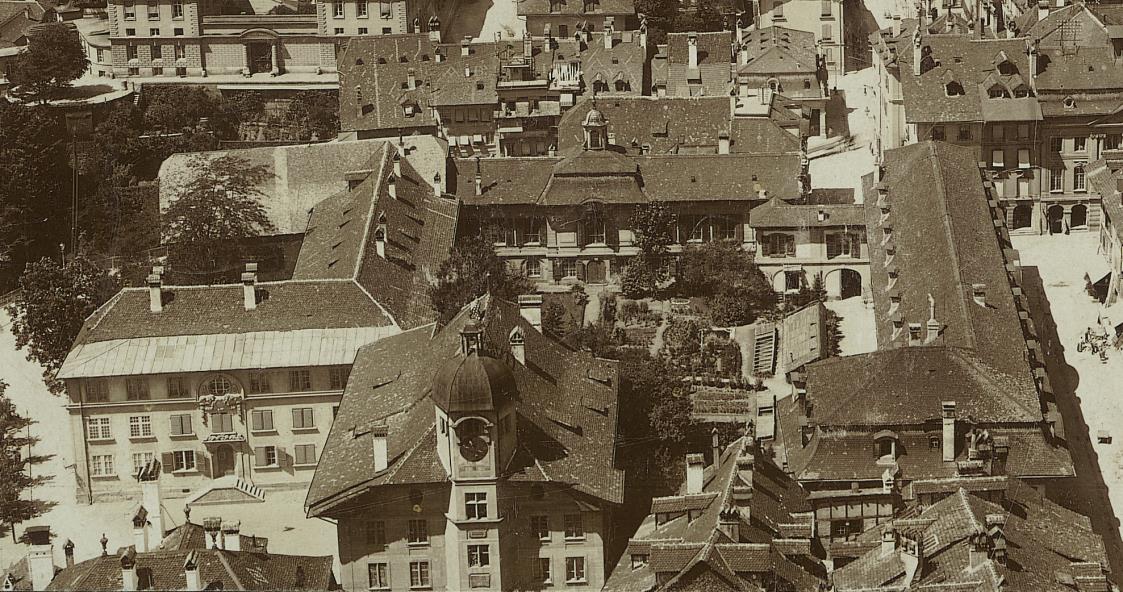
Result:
[
  {"x": 259, "y": 383},
  {"x": 140, "y": 426},
  {"x": 300, "y": 381},
  {"x": 574, "y": 527},
  {"x": 1079, "y": 179},
  {"x": 307, "y": 420},
  {"x": 417, "y": 533},
  {"x": 338, "y": 376},
  {"x": 382, "y": 570},
  {"x": 576, "y": 566},
  {"x": 177, "y": 9},
  {"x": 419, "y": 574},
  {"x": 337, "y": 9},
  {"x": 101, "y": 389},
  {"x": 145, "y": 457},
  {"x": 1056, "y": 179},
  {"x": 180, "y": 458},
  {"x": 479, "y": 555},
  {"x": 297, "y": 448},
  {"x": 1080, "y": 144},
  {"x": 475, "y": 505},
  {"x": 540, "y": 526},
  {"x": 266, "y": 457},
  {"x": 362, "y": 9},
  {"x": 101, "y": 432},
  {"x": 102, "y": 465},
  {"x": 178, "y": 418},
  {"x": 214, "y": 423},
  {"x": 136, "y": 389},
  {"x": 261, "y": 420}
]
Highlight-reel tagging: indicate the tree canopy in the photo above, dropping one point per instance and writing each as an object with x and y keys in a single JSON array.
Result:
[
  {"x": 16, "y": 457},
  {"x": 471, "y": 270},
  {"x": 54, "y": 58},
  {"x": 725, "y": 275},
  {"x": 54, "y": 300},
  {"x": 216, "y": 207},
  {"x": 34, "y": 188},
  {"x": 653, "y": 226}
]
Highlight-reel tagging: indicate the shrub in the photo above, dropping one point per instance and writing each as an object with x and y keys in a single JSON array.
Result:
[
  {"x": 637, "y": 281},
  {"x": 732, "y": 310},
  {"x": 681, "y": 339}
]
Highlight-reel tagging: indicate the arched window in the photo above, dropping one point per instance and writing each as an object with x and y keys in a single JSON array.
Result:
[
  {"x": 954, "y": 89},
  {"x": 219, "y": 386}
]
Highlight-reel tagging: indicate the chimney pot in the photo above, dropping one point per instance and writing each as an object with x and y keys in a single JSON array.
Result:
[
  {"x": 479, "y": 184},
  {"x": 692, "y": 50},
  {"x": 40, "y": 556},
  {"x": 191, "y": 572},
  {"x": 695, "y": 467},
  {"x": 128, "y": 570},
  {"x": 948, "y": 418},
  {"x": 68, "y": 550},
  {"x": 397, "y": 165},
  {"x": 723, "y": 142},
  {"x": 888, "y": 541},
  {"x": 231, "y": 535}
]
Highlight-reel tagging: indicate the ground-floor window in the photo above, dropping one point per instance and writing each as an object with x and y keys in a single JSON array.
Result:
[
  {"x": 378, "y": 575},
  {"x": 1023, "y": 216},
  {"x": 793, "y": 280},
  {"x": 101, "y": 465},
  {"x": 574, "y": 569},
  {"x": 419, "y": 574}
]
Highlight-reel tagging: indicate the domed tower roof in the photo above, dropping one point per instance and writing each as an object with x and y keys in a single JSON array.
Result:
[
  {"x": 473, "y": 383},
  {"x": 594, "y": 118}
]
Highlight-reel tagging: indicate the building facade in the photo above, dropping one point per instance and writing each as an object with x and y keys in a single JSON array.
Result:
[
  {"x": 826, "y": 19},
  {"x": 450, "y": 477}
]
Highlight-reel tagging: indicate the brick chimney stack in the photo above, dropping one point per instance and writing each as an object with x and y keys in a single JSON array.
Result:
[
  {"x": 695, "y": 467},
  {"x": 155, "y": 292},
  {"x": 249, "y": 286}
]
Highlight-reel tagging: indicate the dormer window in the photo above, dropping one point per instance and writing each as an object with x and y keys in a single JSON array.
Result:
[
  {"x": 998, "y": 92},
  {"x": 885, "y": 445},
  {"x": 954, "y": 89},
  {"x": 1069, "y": 103}
]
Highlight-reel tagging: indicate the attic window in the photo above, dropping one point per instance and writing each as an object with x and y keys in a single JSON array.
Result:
[
  {"x": 479, "y": 86},
  {"x": 425, "y": 57},
  {"x": 954, "y": 89},
  {"x": 402, "y": 59},
  {"x": 615, "y": 60},
  {"x": 1005, "y": 68},
  {"x": 359, "y": 61},
  {"x": 1022, "y": 91}
]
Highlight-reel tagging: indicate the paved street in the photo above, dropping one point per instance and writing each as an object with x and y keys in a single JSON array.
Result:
[{"x": 1086, "y": 389}]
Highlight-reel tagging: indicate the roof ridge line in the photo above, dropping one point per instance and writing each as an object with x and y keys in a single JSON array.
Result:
[
  {"x": 375, "y": 198},
  {"x": 230, "y": 570}
]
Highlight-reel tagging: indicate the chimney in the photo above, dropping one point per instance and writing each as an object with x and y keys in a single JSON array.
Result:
[
  {"x": 359, "y": 97},
  {"x": 191, "y": 572},
  {"x": 249, "y": 286},
  {"x": 916, "y": 42},
  {"x": 608, "y": 36},
  {"x": 397, "y": 160},
  {"x": 411, "y": 78},
  {"x": 692, "y": 49},
  {"x": 996, "y": 539},
  {"x": 212, "y": 528},
  {"x": 140, "y": 530},
  {"x": 912, "y": 556},
  {"x": 948, "y": 416},
  {"x": 437, "y": 190},
  {"x": 231, "y": 535},
  {"x": 392, "y": 186},
  {"x": 466, "y": 46},
  {"x": 723, "y": 142},
  {"x": 155, "y": 298},
  {"x": 888, "y": 541},
  {"x": 933, "y": 326},
  {"x": 149, "y": 478},
  {"x": 715, "y": 446},
  {"x": 695, "y": 466},
  {"x": 68, "y": 550},
  {"x": 744, "y": 54},
  {"x": 979, "y": 294},
  {"x": 896, "y": 25},
  {"x": 977, "y": 552},
  {"x": 729, "y": 523},
  {"x": 378, "y": 436},
  {"x": 530, "y": 307},
  {"x": 40, "y": 556},
  {"x": 128, "y": 570}
]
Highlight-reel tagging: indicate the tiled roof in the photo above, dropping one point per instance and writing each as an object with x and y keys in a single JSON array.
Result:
[
  {"x": 371, "y": 96},
  {"x": 227, "y": 570},
  {"x": 760, "y": 135},
  {"x": 299, "y": 177},
  {"x": 468, "y": 79},
  {"x": 390, "y": 385},
  {"x": 624, "y": 61},
  {"x": 1042, "y": 540},
  {"x": 779, "y": 50},
  {"x": 666, "y": 124},
  {"x": 776, "y": 213},
  {"x": 19, "y": 575},
  {"x": 733, "y": 177},
  {"x": 712, "y": 76},
  {"x": 803, "y": 336},
  {"x": 946, "y": 241},
  {"x": 420, "y": 228},
  {"x": 596, "y": 9},
  {"x": 971, "y": 63},
  {"x": 745, "y": 483},
  {"x": 1104, "y": 178},
  {"x": 15, "y": 18}
]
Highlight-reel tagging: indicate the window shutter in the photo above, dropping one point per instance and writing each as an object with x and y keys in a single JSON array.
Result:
[
  {"x": 185, "y": 423},
  {"x": 789, "y": 242},
  {"x": 259, "y": 459},
  {"x": 834, "y": 245},
  {"x": 283, "y": 458},
  {"x": 296, "y": 419},
  {"x": 203, "y": 463},
  {"x": 167, "y": 462},
  {"x": 581, "y": 270},
  {"x": 763, "y": 245}
]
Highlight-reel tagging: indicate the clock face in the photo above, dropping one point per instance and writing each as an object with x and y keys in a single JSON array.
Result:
[
  {"x": 473, "y": 440},
  {"x": 474, "y": 448}
]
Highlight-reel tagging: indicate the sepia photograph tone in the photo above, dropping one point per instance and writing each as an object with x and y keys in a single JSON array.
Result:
[{"x": 561, "y": 295}]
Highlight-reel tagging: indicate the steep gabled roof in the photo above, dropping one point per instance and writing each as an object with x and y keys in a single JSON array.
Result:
[
  {"x": 712, "y": 76},
  {"x": 566, "y": 400},
  {"x": 372, "y": 73},
  {"x": 778, "y": 50}
]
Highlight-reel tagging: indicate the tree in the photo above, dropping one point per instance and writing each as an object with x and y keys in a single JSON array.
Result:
[
  {"x": 661, "y": 15},
  {"x": 318, "y": 114},
  {"x": 553, "y": 319},
  {"x": 54, "y": 300},
  {"x": 653, "y": 225},
  {"x": 216, "y": 207},
  {"x": 16, "y": 460},
  {"x": 34, "y": 187},
  {"x": 471, "y": 270},
  {"x": 54, "y": 58},
  {"x": 706, "y": 18}
]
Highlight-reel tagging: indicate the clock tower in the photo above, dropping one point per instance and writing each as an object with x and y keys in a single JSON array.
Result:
[{"x": 473, "y": 396}]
